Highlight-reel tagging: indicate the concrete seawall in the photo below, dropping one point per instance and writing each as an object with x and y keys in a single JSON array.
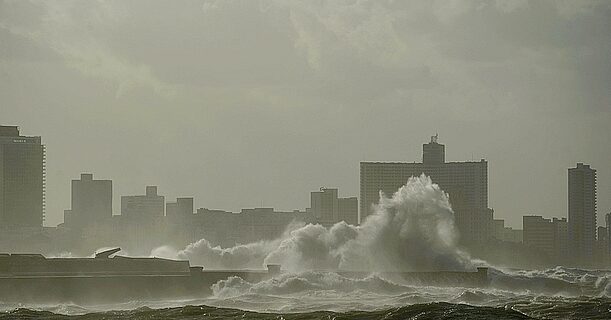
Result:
[{"x": 106, "y": 288}]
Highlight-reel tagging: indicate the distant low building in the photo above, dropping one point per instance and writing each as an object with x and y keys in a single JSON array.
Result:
[
  {"x": 182, "y": 208},
  {"x": 507, "y": 234},
  {"x": 142, "y": 207},
  {"x": 513, "y": 235},
  {"x": 329, "y": 209},
  {"x": 539, "y": 233},
  {"x": 142, "y": 220},
  {"x": 249, "y": 225},
  {"x": 498, "y": 228},
  {"x": 608, "y": 224},
  {"x": 602, "y": 247},
  {"x": 561, "y": 239},
  {"x": 91, "y": 202},
  {"x": 548, "y": 235},
  {"x": 349, "y": 210}
]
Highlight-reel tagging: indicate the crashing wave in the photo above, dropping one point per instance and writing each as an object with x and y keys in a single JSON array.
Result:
[{"x": 411, "y": 230}]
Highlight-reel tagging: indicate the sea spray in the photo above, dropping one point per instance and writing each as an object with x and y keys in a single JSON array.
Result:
[
  {"x": 411, "y": 230},
  {"x": 201, "y": 252},
  {"x": 307, "y": 282}
]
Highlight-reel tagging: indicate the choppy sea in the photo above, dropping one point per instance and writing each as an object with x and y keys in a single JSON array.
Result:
[{"x": 557, "y": 293}]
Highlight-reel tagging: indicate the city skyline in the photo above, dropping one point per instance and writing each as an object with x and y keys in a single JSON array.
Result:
[
  {"x": 116, "y": 197},
  {"x": 116, "y": 208},
  {"x": 304, "y": 91},
  {"x": 299, "y": 159}
]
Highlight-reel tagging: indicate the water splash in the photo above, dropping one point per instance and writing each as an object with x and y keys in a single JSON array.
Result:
[{"x": 411, "y": 230}]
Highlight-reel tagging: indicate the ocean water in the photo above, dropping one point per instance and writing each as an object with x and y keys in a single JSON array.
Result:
[
  {"x": 558, "y": 293},
  {"x": 411, "y": 230}
]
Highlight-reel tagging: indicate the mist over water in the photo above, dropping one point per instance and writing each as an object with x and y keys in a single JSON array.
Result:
[{"x": 411, "y": 230}]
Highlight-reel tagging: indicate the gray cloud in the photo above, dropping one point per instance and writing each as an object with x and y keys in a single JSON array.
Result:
[{"x": 217, "y": 98}]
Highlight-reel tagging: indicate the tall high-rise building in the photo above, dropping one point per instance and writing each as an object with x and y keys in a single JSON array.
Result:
[
  {"x": 91, "y": 201},
  {"x": 582, "y": 213},
  {"x": 22, "y": 179},
  {"x": 465, "y": 182},
  {"x": 329, "y": 209},
  {"x": 148, "y": 206}
]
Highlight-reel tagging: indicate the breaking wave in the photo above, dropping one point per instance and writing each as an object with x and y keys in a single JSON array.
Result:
[
  {"x": 309, "y": 281},
  {"x": 411, "y": 230},
  {"x": 322, "y": 295}
]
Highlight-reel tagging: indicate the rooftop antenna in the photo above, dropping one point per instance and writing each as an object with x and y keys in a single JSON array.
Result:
[{"x": 434, "y": 138}]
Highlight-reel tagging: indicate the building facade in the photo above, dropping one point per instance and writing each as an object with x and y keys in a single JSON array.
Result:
[
  {"x": 181, "y": 209},
  {"x": 547, "y": 235},
  {"x": 602, "y": 247},
  {"x": 22, "y": 179},
  {"x": 465, "y": 182},
  {"x": 608, "y": 225},
  {"x": 561, "y": 239},
  {"x": 91, "y": 202},
  {"x": 582, "y": 213},
  {"x": 349, "y": 210},
  {"x": 507, "y": 234},
  {"x": 328, "y": 209},
  {"x": 142, "y": 207},
  {"x": 539, "y": 233}
]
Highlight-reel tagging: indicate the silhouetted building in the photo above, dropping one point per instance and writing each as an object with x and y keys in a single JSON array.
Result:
[
  {"x": 183, "y": 207},
  {"x": 142, "y": 221},
  {"x": 325, "y": 206},
  {"x": 513, "y": 235},
  {"x": 328, "y": 209},
  {"x": 582, "y": 213},
  {"x": 608, "y": 224},
  {"x": 22, "y": 179},
  {"x": 548, "y": 235},
  {"x": 434, "y": 153},
  {"x": 148, "y": 206},
  {"x": 250, "y": 225},
  {"x": 498, "y": 228},
  {"x": 465, "y": 182},
  {"x": 561, "y": 239},
  {"x": 349, "y": 210},
  {"x": 503, "y": 233},
  {"x": 602, "y": 247},
  {"x": 539, "y": 233},
  {"x": 91, "y": 202}
]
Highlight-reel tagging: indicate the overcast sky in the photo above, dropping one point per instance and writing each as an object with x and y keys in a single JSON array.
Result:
[{"x": 250, "y": 103}]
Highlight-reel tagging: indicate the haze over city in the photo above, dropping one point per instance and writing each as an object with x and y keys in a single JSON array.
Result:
[
  {"x": 285, "y": 159},
  {"x": 240, "y": 104}
]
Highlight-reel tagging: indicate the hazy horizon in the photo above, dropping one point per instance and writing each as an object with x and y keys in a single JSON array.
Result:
[{"x": 249, "y": 104}]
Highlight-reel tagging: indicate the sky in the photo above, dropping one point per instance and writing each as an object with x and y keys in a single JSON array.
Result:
[{"x": 257, "y": 103}]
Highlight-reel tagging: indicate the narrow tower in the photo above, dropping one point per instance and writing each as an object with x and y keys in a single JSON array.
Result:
[
  {"x": 22, "y": 179},
  {"x": 582, "y": 213}
]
